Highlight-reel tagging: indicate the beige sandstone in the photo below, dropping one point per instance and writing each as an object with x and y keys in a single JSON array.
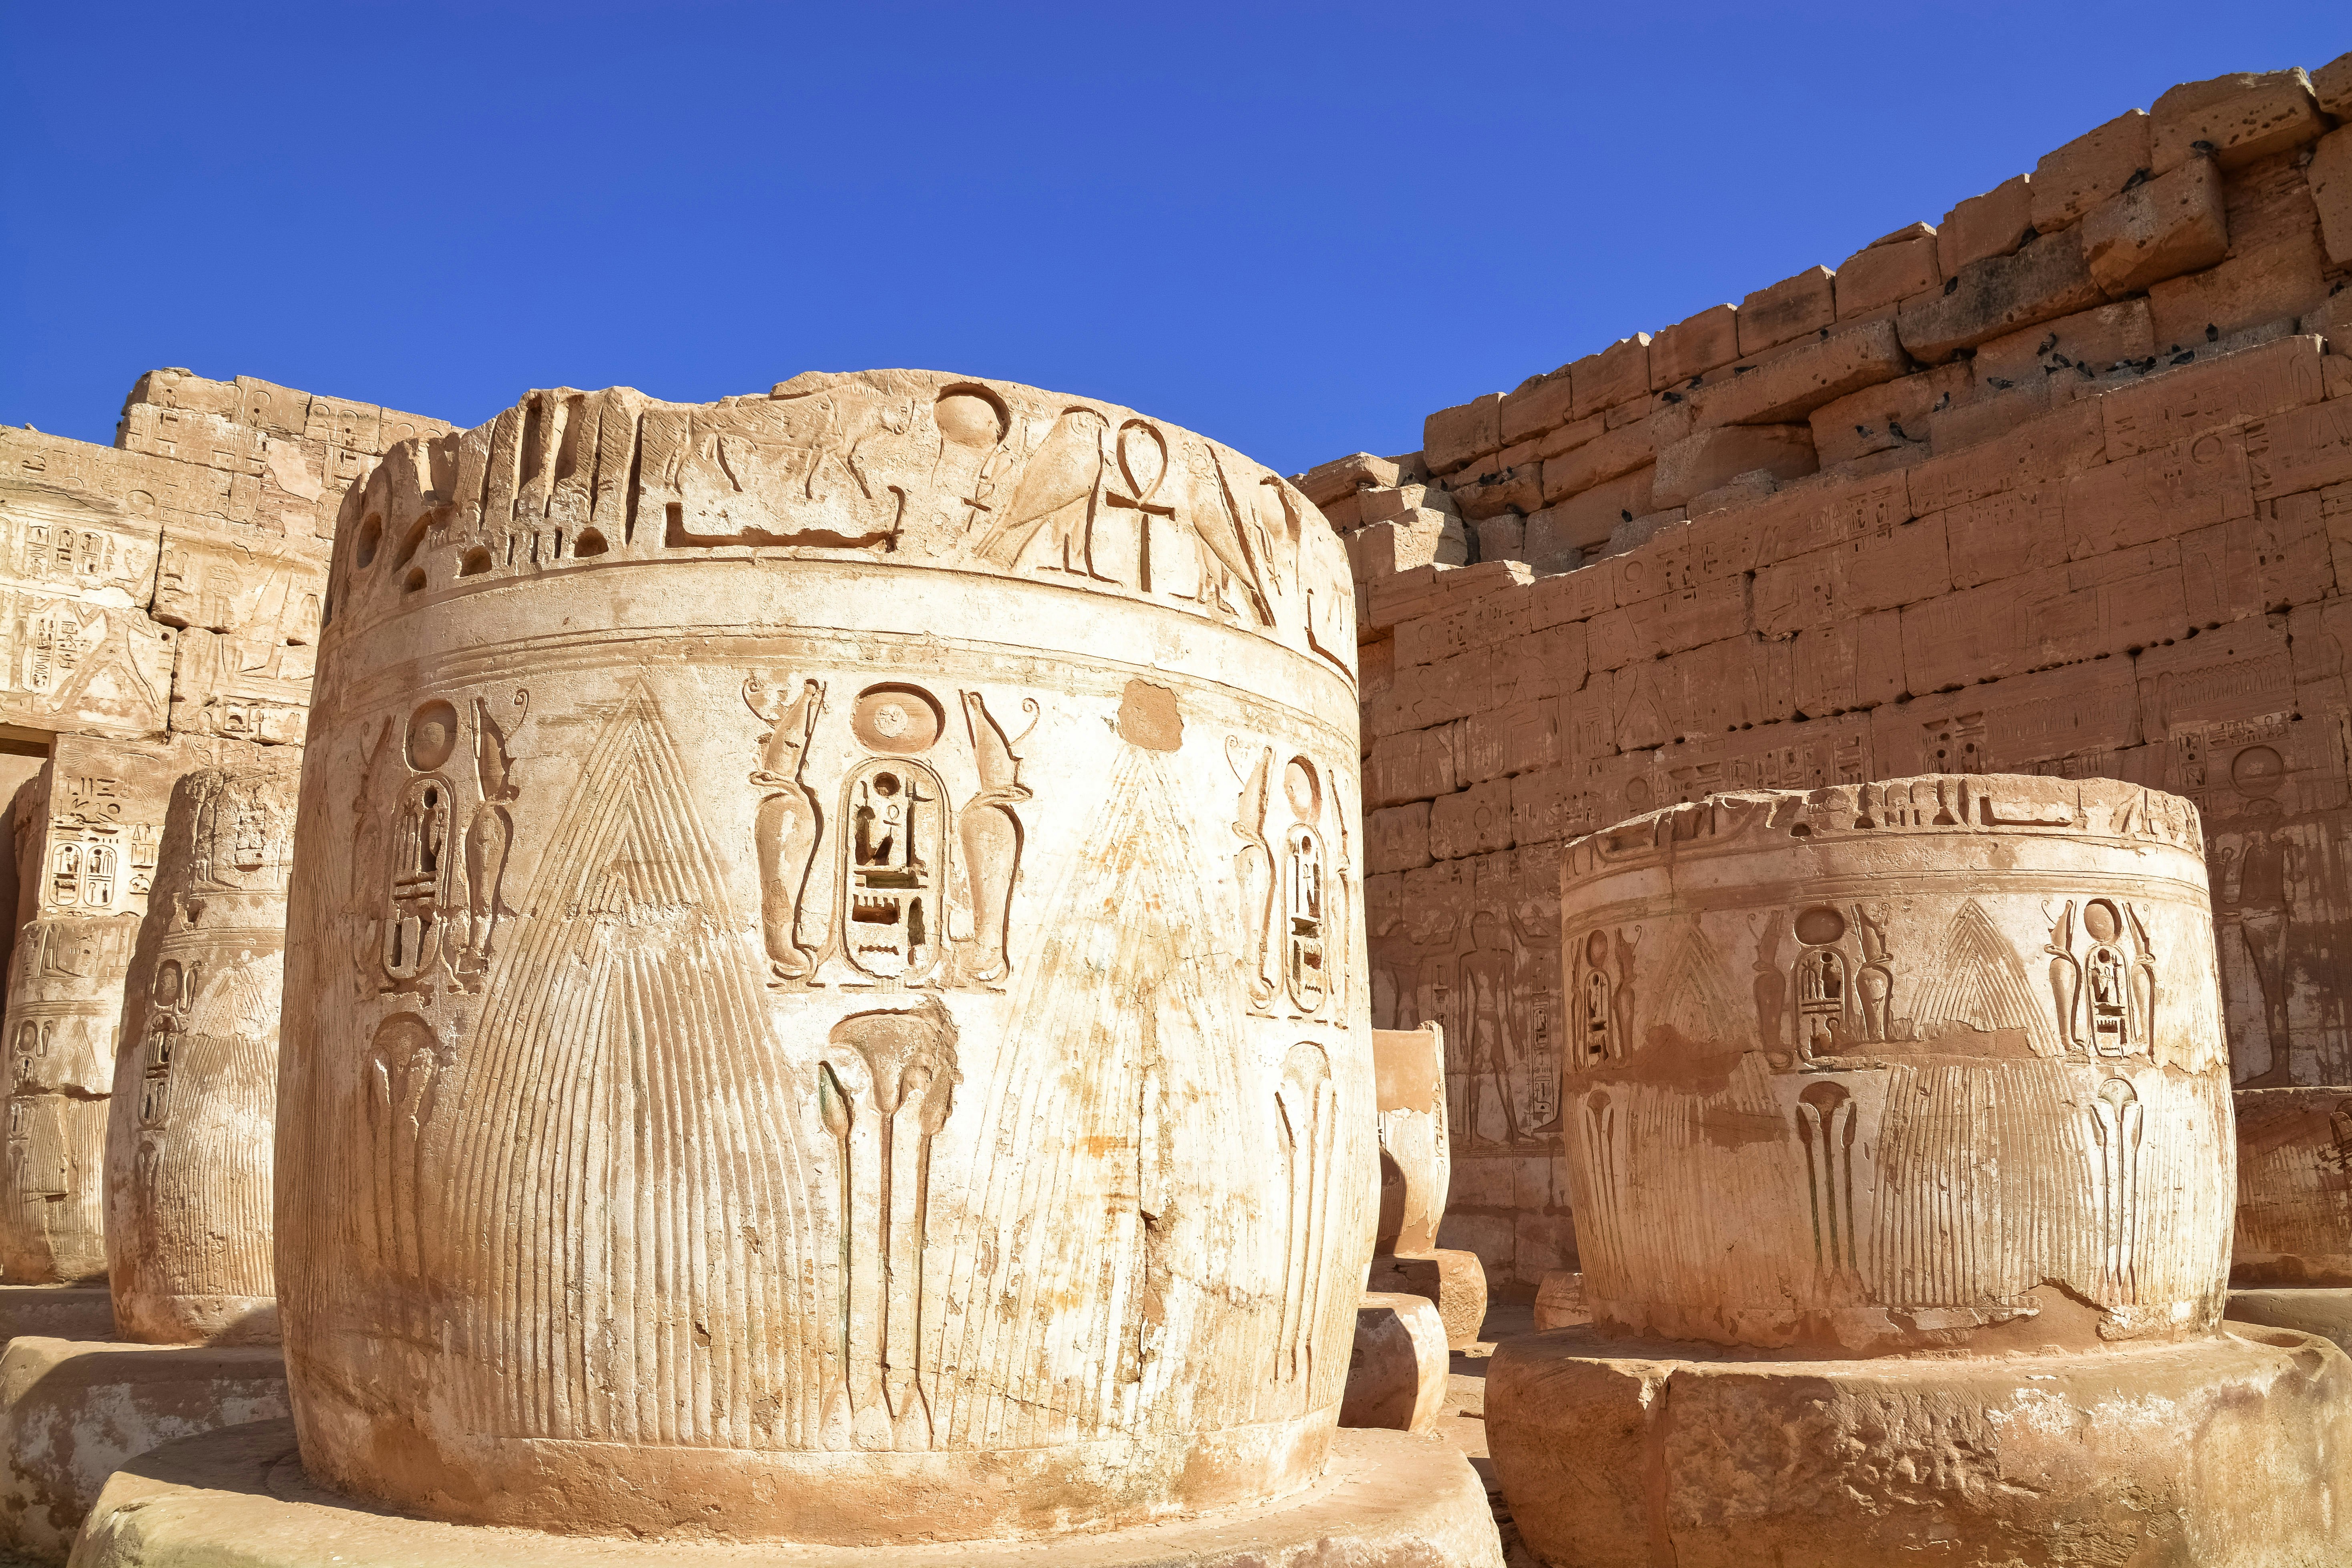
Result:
[
  {"x": 1416, "y": 1164},
  {"x": 1932, "y": 1066},
  {"x": 72, "y": 1413},
  {"x": 196, "y": 1080},
  {"x": 1398, "y": 1367},
  {"x": 968, "y": 1111},
  {"x": 1388, "y": 1499}
]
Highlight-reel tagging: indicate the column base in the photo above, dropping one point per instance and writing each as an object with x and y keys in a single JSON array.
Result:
[
  {"x": 1398, "y": 1366},
  {"x": 2232, "y": 1451},
  {"x": 73, "y": 1410},
  {"x": 1389, "y": 1500},
  {"x": 2325, "y": 1312},
  {"x": 1454, "y": 1280},
  {"x": 63, "y": 1311}
]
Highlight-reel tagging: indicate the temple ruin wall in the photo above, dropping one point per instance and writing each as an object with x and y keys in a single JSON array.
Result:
[{"x": 2060, "y": 484}]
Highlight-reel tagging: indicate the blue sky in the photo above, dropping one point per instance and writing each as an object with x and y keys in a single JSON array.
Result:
[{"x": 1297, "y": 228}]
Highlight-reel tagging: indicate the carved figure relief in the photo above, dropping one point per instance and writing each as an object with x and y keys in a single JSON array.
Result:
[
  {"x": 1254, "y": 876},
  {"x": 489, "y": 837},
  {"x": 885, "y": 1088},
  {"x": 2104, "y": 986},
  {"x": 990, "y": 831},
  {"x": 1825, "y": 1126},
  {"x": 1305, "y": 1105},
  {"x": 2115, "y": 1118},
  {"x": 788, "y": 826}
]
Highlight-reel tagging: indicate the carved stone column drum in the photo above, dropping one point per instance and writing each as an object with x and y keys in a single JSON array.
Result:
[
  {"x": 1864, "y": 1086},
  {"x": 823, "y": 990},
  {"x": 89, "y": 860},
  {"x": 196, "y": 1080}
]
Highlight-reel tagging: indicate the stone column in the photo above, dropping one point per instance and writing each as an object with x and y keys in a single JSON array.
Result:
[
  {"x": 91, "y": 839},
  {"x": 1899, "y": 1133},
  {"x": 1416, "y": 1164},
  {"x": 196, "y": 1082},
  {"x": 826, "y": 959}
]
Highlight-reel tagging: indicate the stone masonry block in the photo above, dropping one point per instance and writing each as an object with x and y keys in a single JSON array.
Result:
[
  {"x": 2332, "y": 85},
  {"x": 1451, "y": 437},
  {"x": 2302, "y": 449},
  {"x": 2161, "y": 228},
  {"x": 2239, "y": 118},
  {"x": 1791, "y": 385},
  {"x": 1383, "y": 549},
  {"x": 1542, "y": 405},
  {"x": 2043, "y": 279},
  {"x": 2330, "y": 177},
  {"x": 1417, "y": 764},
  {"x": 1397, "y": 839},
  {"x": 2088, "y": 170},
  {"x": 1497, "y": 491},
  {"x": 1881, "y": 417},
  {"x": 1618, "y": 374},
  {"x": 1788, "y": 309},
  {"x": 1476, "y": 821},
  {"x": 2067, "y": 439},
  {"x": 2178, "y": 404},
  {"x": 1883, "y": 273},
  {"x": 1700, "y": 462},
  {"x": 1618, "y": 451},
  {"x": 1586, "y": 520},
  {"x": 2071, "y": 349},
  {"x": 2256, "y": 286},
  {"x": 2158, "y": 495},
  {"x": 1993, "y": 224},
  {"x": 1695, "y": 345},
  {"x": 1342, "y": 477}
]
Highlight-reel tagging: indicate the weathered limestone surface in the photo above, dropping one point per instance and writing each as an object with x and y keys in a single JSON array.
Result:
[
  {"x": 2106, "y": 543},
  {"x": 192, "y": 1120},
  {"x": 2295, "y": 1197},
  {"x": 73, "y": 1412},
  {"x": 1388, "y": 1499},
  {"x": 173, "y": 581},
  {"x": 915, "y": 820},
  {"x": 1416, "y": 1157},
  {"x": 89, "y": 851},
  {"x": 2226, "y": 1453},
  {"x": 1865, "y": 1071},
  {"x": 1397, "y": 1368}
]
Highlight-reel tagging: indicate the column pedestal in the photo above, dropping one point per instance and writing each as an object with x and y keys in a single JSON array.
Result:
[
  {"x": 74, "y": 1411},
  {"x": 2229, "y": 1451},
  {"x": 1387, "y": 1500}
]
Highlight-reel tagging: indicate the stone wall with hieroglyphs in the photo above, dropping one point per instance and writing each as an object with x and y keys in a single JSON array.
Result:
[
  {"x": 171, "y": 583},
  {"x": 2061, "y": 485}
]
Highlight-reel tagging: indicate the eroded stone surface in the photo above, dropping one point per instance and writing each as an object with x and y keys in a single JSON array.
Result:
[
  {"x": 1409, "y": 1068},
  {"x": 1397, "y": 1368},
  {"x": 913, "y": 821},
  {"x": 73, "y": 1412},
  {"x": 1388, "y": 1499},
  {"x": 2226, "y": 1451},
  {"x": 192, "y": 1120},
  {"x": 2294, "y": 1198},
  {"x": 1931, "y": 1063}
]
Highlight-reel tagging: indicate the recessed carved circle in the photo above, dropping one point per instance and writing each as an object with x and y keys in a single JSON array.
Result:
[
  {"x": 1596, "y": 949},
  {"x": 970, "y": 416},
  {"x": 898, "y": 718},
  {"x": 2257, "y": 771},
  {"x": 432, "y": 735},
  {"x": 1820, "y": 926},
  {"x": 1303, "y": 789},
  {"x": 2099, "y": 920}
]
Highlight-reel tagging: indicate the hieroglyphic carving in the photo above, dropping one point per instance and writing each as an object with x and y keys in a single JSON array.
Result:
[
  {"x": 1306, "y": 1104},
  {"x": 1925, "y": 1159},
  {"x": 990, "y": 835},
  {"x": 489, "y": 837},
  {"x": 422, "y": 894},
  {"x": 1254, "y": 877},
  {"x": 188, "y": 1161},
  {"x": 885, "y": 1086},
  {"x": 788, "y": 826}
]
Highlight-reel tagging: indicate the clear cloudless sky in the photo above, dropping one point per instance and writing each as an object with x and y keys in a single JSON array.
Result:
[{"x": 1297, "y": 228}]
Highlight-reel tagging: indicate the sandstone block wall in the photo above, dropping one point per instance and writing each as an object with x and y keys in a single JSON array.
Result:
[
  {"x": 2060, "y": 484},
  {"x": 171, "y": 584}
]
